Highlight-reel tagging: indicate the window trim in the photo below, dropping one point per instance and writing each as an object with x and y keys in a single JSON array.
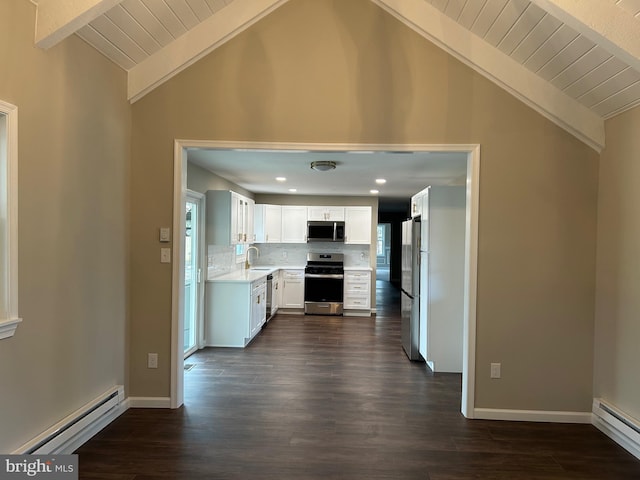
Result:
[{"x": 9, "y": 244}]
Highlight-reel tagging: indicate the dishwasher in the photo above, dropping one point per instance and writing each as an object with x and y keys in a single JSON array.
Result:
[{"x": 269, "y": 297}]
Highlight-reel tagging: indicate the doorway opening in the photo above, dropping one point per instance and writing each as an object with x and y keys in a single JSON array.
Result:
[{"x": 471, "y": 182}]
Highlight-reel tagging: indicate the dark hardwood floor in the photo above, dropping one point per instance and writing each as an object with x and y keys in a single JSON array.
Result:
[{"x": 336, "y": 398}]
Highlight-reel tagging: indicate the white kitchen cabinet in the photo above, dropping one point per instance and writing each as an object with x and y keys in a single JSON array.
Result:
[
  {"x": 258, "y": 306},
  {"x": 335, "y": 214},
  {"x": 357, "y": 292},
  {"x": 292, "y": 289},
  {"x": 234, "y": 312},
  {"x": 357, "y": 225},
  {"x": 294, "y": 224},
  {"x": 268, "y": 223},
  {"x": 417, "y": 202},
  {"x": 229, "y": 218}
]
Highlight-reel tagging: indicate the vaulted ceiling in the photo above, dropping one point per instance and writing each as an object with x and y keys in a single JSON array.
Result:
[{"x": 576, "y": 62}]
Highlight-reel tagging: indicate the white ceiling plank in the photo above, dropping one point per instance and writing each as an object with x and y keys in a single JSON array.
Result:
[
  {"x": 123, "y": 19},
  {"x": 200, "y": 8},
  {"x": 92, "y": 37},
  {"x": 198, "y": 42},
  {"x": 148, "y": 21},
  {"x": 488, "y": 16},
  {"x": 454, "y": 8},
  {"x": 105, "y": 27},
  {"x": 439, "y": 4},
  {"x": 605, "y": 24},
  {"x": 166, "y": 16},
  {"x": 631, "y": 6},
  {"x": 56, "y": 20},
  {"x": 581, "y": 67},
  {"x": 499, "y": 68},
  {"x": 521, "y": 29},
  {"x": 506, "y": 21},
  {"x": 184, "y": 13},
  {"x": 619, "y": 102},
  {"x": 470, "y": 12},
  {"x": 540, "y": 34},
  {"x": 595, "y": 77},
  {"x": 618, "y": 82},
  {"x": 555, "y": 43},
  {"x": 566, "y": 57},
  {"x": 216, "y": 5}
]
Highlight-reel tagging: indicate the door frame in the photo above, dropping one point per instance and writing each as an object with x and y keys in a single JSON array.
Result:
[
  {"x": 471, "y": 245},
  {"x": 199, "y": 199}
]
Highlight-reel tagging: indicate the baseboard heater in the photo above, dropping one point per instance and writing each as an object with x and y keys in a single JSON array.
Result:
[
  {"x": 74, "y": 430},
  {"x": 622, "y": 428}
]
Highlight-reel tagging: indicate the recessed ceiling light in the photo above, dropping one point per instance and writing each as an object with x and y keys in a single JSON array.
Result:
[
  {"x": 374, "y": 191},
  {"x": 281, "y": 179},
  {"x": 293, "y": 190},
  {"x": 380, "y": 181}
]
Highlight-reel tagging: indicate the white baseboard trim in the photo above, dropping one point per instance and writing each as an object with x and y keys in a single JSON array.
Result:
[
  {"x": 531, "y": 415},
  {"x": 150, "y": 402},
  {"x": 617, "y": 425}
]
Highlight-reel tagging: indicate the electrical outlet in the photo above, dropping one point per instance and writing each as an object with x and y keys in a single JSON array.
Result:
[
  {"x": 284, "y": 254},
  {"x": 152, "y": 360},
  {"x": 495, "y": 370}
]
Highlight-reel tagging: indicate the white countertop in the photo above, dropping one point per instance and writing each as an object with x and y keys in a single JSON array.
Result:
[{"x": 253, "y": 274}]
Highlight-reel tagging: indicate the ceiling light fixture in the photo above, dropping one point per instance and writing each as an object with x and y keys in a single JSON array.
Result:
[
  {"x": 323, "y": 165},
  {"x": 293, "y": 190},
  {"x": 374, "y": 191},
  {"x": 380, "y": 181},
  {"x": 281, "y": 179}
]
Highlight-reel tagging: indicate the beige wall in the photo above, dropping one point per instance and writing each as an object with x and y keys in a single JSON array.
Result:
[
  {"x": 327, "y": 71},
  {"x": 74, "y": 150},
  {"x": 618, "y": 281}
]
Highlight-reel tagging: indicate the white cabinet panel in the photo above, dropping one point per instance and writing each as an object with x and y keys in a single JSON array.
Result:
[
  {"x": 268, "y": 223},
  {"x": 292, "y": 289},
  {"x": 229, "y": 218},
  {"x": 335, "y": 214},
  {"x": 358, "y": 225},
  {"x": 294, "y": 224}
]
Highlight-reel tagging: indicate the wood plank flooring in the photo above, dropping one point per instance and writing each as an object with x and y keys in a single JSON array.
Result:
[{"x": 336, "y": 398}]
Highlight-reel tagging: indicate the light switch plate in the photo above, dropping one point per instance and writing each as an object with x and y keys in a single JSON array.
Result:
[
  {"x": 165, "y": 234},
  {"x": 165, "y": 255}
]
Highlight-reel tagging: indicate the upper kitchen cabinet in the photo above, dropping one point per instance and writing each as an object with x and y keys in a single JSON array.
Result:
[
  {"x": 357, "y": 225},
  {"x": 294, "y": 224},
  {"x": 335, "y": 214},
  {"x": 417, "y": 201},
  {"x": 268, "y": 223},
  {"x": 229, "y": 218}
]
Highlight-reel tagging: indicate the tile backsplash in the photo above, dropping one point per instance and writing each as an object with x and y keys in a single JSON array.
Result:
[{"x": 222, "y": 260}]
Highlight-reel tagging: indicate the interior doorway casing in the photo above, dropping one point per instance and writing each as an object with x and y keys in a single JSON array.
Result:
[{"x": 471, "y": 245}]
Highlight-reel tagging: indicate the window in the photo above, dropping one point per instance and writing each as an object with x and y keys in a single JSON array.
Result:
[{"x": 9, "y": 319}]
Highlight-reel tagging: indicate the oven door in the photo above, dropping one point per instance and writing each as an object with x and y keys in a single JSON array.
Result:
[{"x": 323, "y": 293}]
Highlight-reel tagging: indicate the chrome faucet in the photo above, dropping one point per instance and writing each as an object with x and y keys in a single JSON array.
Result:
[{"x": 247, "y": 265}]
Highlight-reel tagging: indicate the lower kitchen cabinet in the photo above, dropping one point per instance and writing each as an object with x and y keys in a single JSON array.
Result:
[
  {"x": 235, "y": 312},
  {"x": 292, "y": 288},
  {"x": 357, "y": 292}
]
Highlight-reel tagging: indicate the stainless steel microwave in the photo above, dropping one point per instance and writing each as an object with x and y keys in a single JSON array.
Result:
[{"x": 325, "y": 231}]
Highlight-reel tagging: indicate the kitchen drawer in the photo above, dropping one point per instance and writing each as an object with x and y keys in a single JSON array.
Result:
[{"x": 357, "y": 301}]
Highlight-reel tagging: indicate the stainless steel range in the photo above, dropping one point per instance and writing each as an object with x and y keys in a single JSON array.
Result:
[{"x": 324, "y": 284}]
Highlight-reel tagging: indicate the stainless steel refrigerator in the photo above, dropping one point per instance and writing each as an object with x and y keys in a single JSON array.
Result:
[{"x": 410, "y": 295}]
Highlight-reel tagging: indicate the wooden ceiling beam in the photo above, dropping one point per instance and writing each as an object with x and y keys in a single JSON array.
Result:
[{"x": 56, "y": 20}]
